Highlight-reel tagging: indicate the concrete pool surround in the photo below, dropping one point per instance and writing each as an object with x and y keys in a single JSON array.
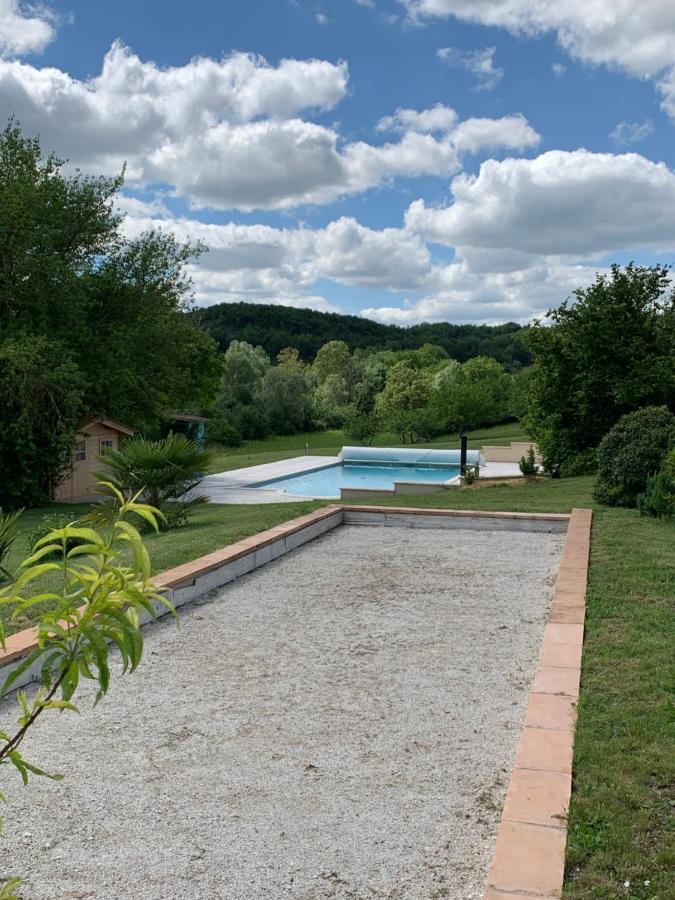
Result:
[
  {"x": 529, "y": 853},
  {"x": 258, "y": 484}
]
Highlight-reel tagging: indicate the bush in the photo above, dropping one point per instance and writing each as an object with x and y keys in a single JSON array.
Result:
[
  {"x": 53, "y": 522},
  {"x": 221, "y": 431},
  {"x": 165, "y": 471},
  {"x": 658, "y": 499},
  {"x": 9, "y": 531},
  {"x": 632, "y": 451},
  {"x": 528, "y": 464}
]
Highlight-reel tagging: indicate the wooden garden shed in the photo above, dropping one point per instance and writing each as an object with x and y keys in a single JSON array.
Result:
[{"x": 90, "y": 441}]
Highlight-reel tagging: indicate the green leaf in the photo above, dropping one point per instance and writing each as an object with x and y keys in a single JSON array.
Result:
[{"x": 23, "y": 666}]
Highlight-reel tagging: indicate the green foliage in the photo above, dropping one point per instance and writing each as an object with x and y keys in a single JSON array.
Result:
[
  {"x": 221, "y": 431},
  {"x": 51, "y": 523},
  {"x": 162, "y": 472},
  {"x": 331, "y": 402},
  {"x": 361, "y": 427},
  {"x": 276, "y": 327},
  {"x": 333, "y": 359},
  {"x": 470, "y": 395},
  {"x": 284, "y": 398},
  {"x": 89, "y": 322},
  {"x": 631, "y": 451},
  {"x": 9, "y": 531},
  {"x": 403, "y": 404},
  {"x": 99, "y": 605},
  {"x": 604, "y": 355},
  {"x": 528, "y": 464},
  {"x": 658, "y": 499},
  {"x": 41, "y": 400}
]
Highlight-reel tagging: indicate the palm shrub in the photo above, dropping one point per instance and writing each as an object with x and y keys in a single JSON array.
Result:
[
  {"x": 8, "y": 534},
  {"x": 163, "y": 471},
  {"x": 101, "y": 597},
  {"x": 632, "y": 451}
]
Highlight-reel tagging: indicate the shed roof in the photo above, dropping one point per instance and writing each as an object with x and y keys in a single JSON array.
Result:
[{"x": 109, "y": 423}]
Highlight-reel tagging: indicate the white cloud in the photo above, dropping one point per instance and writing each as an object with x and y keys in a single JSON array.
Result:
[
  {"x": 230, "y": 133},
  {"x": 509, "y": 132},
  {"x": 24, "y": 28},
  {"x": 561, "y": 203},
  {"x": 631, "y": 132},
  {"x": 558, "y": 69},
  {"x": 480, "y": 63},
  {"x": 438, "y": 119},
  {"x": 259, "y": 262},
  {"x": 489, "y": 298},
  {"x": 636, "y": 37}
]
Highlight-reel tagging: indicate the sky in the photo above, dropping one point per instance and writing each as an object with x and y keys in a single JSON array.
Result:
[{"x": 403, "y": 160}]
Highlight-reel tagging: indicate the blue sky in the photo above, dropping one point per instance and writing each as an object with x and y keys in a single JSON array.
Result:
[{"x": 530, "y": 149}]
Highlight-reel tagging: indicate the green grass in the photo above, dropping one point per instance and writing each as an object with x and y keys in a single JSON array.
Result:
[
  {"x": 328, "y": 443},
  {"x": 621, "y": 819}
]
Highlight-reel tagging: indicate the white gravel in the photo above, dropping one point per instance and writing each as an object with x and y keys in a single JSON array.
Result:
[{"x": 339, "y": 724}]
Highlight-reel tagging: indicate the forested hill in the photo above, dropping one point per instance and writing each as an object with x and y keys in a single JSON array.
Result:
[{"x": 274, "y": 327}]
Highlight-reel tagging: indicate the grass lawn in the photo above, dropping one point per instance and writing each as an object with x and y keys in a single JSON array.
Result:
[
  {"x": 621, "y": 826},
  {"x": 329, "y": 443}
]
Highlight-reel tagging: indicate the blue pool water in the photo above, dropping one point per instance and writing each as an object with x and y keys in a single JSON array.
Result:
[{"x": 327, "y": 482}]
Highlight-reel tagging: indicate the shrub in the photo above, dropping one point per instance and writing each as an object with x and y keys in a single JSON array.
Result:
[
  {"x": 53, "y": 522},
  {"x": 528, "y": 464},
  {"x": 631, "y": 451},
  {"x": 658, "y": 499},
  {"x": 221, "y": 431},
  {"x": 163, "y": 471},
  {"x": 8, "y": 534}
]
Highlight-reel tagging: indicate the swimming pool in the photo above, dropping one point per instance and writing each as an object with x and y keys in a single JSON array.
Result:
[{"x": 326, "y": 483}]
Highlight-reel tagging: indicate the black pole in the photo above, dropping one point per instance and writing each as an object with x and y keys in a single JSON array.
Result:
[{"x": 463, "y": 441}]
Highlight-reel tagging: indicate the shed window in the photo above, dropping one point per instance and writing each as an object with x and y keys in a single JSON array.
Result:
[
  {"x": 80, "y": 451},
  {"x": 105, "y": 444}
]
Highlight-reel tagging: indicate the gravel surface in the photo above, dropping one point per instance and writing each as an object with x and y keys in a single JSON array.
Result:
[{"x": 339, "y": 724}]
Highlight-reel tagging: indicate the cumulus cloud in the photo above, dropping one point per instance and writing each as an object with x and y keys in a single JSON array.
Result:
[
  {"x": 560, "y": 203},
  {"x": 636, "y": 37},
  {"x": 24, "y": 28},
  {"x": 491, "y": 298},
  {"x": 522, "y": 231},
  {"x": 437, "y": 119},
  {"x": 231, "y": 133},
  {"x": 480, "y": 63},
  {"x": 259, "y": 262}
]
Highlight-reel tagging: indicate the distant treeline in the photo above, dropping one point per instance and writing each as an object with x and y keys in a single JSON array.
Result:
[{"x": 275, "y": 327}]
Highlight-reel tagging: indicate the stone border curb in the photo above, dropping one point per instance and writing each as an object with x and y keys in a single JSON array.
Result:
[{"x": 529, "y": 856}]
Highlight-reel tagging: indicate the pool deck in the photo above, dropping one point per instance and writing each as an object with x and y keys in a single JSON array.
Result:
[{"x": 239, "y": 485}]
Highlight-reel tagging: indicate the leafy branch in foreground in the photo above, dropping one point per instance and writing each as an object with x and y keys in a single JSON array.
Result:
[{"x": 104, "y": 588}]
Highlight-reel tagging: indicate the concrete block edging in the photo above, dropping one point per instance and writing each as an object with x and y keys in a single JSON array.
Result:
[{"x": 530, "y": 849}]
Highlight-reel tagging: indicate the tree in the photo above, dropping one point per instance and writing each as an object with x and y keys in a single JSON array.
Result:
[
  {"x": 289, "y": 358},
  {"x": 90, "y": 323},
  {"x": 333, "y": 358},
  {"x": 602, "y": 357},
  {"x": 284, "y": 398},
  {"x": 330, "y": 401},
  {"x": 403, "y": 404}
]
